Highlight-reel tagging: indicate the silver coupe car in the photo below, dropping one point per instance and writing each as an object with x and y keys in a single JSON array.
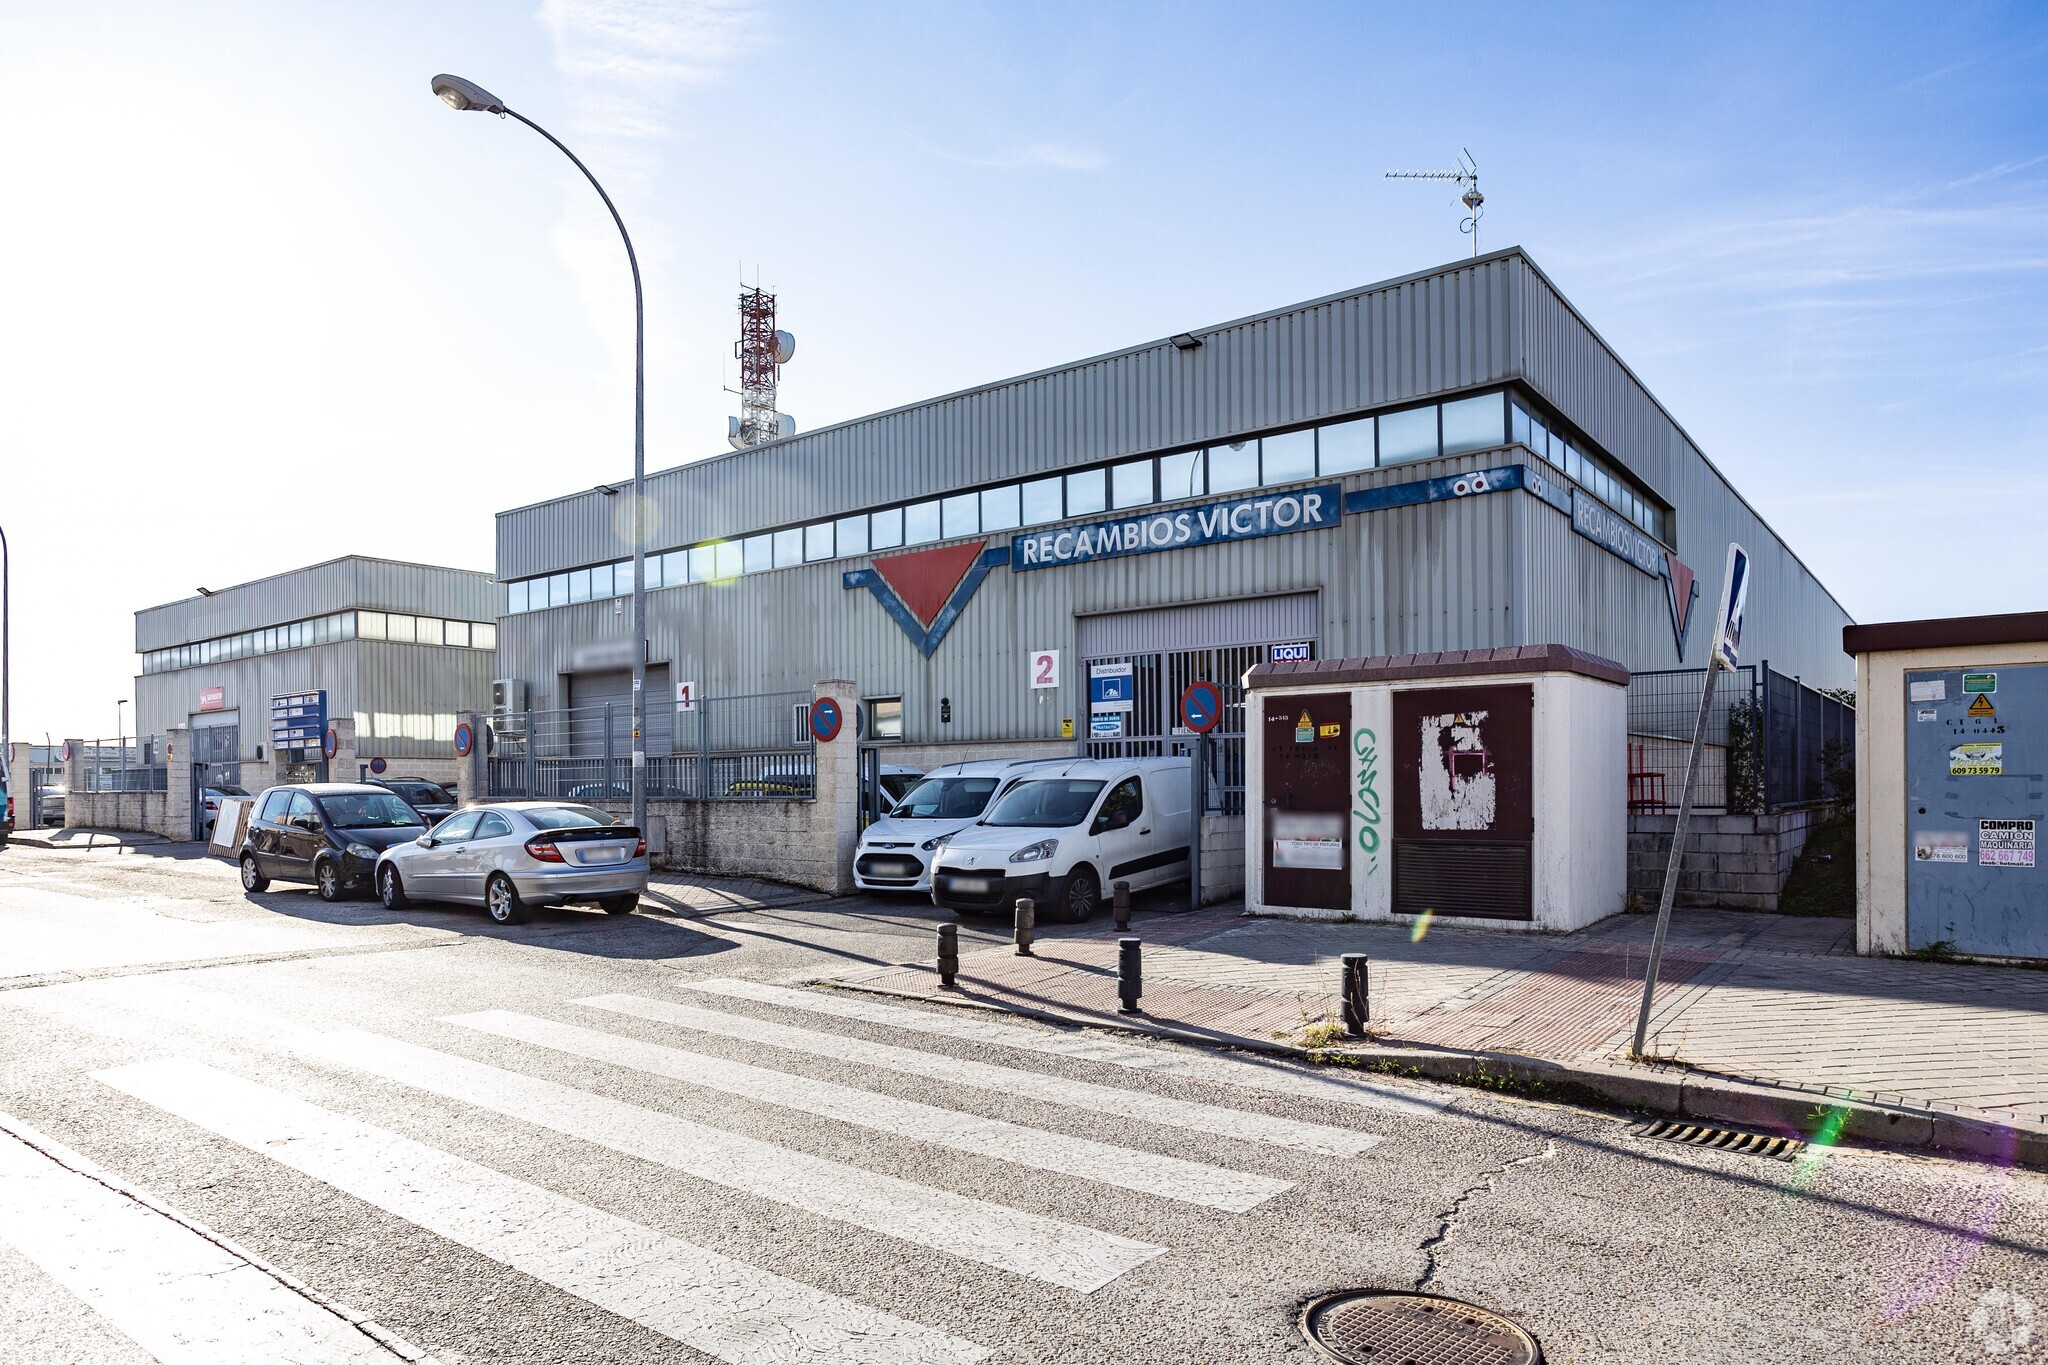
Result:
[{"x": 514, "y": 855}]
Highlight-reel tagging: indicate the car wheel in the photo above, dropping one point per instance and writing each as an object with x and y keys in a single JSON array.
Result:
[
  {"x": 327, "y": 880},
  {"x": 501, "y": 899},
  {"x": 1078, "y": 896},
  {"x": 390, "y": 889},
  {"x": 253, "y": 880},
  {"x": 620, "y": 905}
]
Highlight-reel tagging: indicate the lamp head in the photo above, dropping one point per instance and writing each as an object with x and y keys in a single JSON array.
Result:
[{"x": 458, "y": 93}]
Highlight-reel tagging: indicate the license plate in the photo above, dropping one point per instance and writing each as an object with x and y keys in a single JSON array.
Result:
[
  {"x": 602, "y": 855},
  {"x": 972, "y": 885},
  {"x": 884, "y": 867}
]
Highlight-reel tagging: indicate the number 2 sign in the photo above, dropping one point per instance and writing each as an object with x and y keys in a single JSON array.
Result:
[{"x": 1045, "y": 668}]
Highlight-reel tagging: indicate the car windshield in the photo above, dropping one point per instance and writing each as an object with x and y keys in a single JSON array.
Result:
[
  {"x": 427, "y": 792},
  {"x": 945, "y": 798},
  {"x": 1052, "y": 804},
  {"x": 567, "y": 817},
  {"x": 368, "y": 810},
  {"x": 897, "y": 784}
]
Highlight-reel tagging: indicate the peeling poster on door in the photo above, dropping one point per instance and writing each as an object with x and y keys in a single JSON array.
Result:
[{"x": 1458, "y": 786}]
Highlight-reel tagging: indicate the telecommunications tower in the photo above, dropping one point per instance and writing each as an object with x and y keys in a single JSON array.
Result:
[{"x": 762, "y": 352}]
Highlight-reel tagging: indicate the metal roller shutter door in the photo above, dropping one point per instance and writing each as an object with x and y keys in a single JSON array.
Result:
[
  {"x": 1203, "y": 625},
  {"x": 589, "y": 693}
]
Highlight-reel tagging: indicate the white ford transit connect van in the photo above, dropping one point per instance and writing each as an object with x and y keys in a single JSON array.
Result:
[
  {"x": 1062, "y": 833},
  {"x": 895, "y": 853}
]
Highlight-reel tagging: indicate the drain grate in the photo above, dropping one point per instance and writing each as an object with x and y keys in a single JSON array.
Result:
[
  {"x": 1726, "y": 1139},
  {"x": 1394, "y": 1327}
]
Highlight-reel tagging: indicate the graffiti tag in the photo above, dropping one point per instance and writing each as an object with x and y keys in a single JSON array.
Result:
[{"x": 1366, "y": 805}]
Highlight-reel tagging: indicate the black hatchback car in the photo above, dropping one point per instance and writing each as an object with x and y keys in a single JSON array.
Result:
[
  {"x": 325, "y": 833},
  {"x": 433, "y": 801}
]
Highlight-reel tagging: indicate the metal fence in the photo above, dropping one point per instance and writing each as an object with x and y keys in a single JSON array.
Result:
[
  {"x": 1773, "y": 743},
  {"x": 756, "y": 747},
  {"x": 1151, "y": 730},
  {"x": 122, "y": 765}
]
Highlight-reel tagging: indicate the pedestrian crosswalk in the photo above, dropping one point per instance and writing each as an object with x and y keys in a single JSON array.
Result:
[{"x": 671, "y": 1059}]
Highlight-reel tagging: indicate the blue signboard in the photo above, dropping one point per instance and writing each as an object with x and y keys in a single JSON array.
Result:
[
  {"x": 1293, "y": 654},
  {"x": 1267, "y": 514},
  {"x": 1111, "y": 687},
  {"x": 298, "y": 720},
  {"x": 1611, "y": 531}
]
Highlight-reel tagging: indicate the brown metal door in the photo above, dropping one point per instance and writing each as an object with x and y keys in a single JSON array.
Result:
[
  {"x": 1308, "y": 798},
  {"x": 1464, "y": 808}
]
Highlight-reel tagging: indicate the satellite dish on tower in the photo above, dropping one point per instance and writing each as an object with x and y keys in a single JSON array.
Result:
[{"x": 785, "y": 347}]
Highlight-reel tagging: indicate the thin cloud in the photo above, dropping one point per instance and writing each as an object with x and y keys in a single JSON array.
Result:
[
  {"x": 1051, "y": 156},
  {"x": 626, "y": 59}
]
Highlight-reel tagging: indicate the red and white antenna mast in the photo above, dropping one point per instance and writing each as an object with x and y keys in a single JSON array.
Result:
[{"x": 762, "y": 352}]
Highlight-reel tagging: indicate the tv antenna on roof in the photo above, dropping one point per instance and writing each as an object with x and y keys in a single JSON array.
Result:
[{"x": 1466, "y": 174}]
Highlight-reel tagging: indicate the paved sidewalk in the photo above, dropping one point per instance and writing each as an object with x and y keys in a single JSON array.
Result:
[
  {"x": 99, "y": 840},
  {"x": 1766, "y": 998}
]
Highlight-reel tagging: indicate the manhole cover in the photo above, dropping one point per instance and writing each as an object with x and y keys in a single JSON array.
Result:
[{"x": 1389, "y": 1327}]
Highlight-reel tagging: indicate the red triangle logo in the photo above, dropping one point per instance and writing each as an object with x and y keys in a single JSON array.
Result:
[
  {"x": 924, "y": 579},
  {"x": 1681, "y": 592}
]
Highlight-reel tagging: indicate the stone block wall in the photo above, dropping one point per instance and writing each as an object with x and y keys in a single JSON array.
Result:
[
  {"x": 1222, "y": 858},
  {"x": 1731, "y": 862},
  {"x": 134, "y": 812}
]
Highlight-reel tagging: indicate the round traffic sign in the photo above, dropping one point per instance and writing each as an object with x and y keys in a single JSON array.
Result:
[
  {"x": 1201, "y": 706},
  {"x": 826, "y": 720},
  {"x": 378, "y": 765},
  {"x": 330, "y": 743},
  {"x": 465, "y": 740}
]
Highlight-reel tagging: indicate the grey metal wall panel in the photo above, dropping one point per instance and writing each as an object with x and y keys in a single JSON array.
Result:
[
  {"x": 316, "y": 590},
  {"x": 1201, "y": 625},
  {"x": 1408, "y": 339},
  {"x": 164, "y": 700}
]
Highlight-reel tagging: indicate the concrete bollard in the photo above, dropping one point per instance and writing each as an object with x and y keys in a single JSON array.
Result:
[
  {"x": 1026, "y": 928},
  {"x": 949, "y": 955},
  {"x": 1357, "y": 1009},
  {"x": 1130, "y": 974},
  {"x": 1120, "y": 899}
]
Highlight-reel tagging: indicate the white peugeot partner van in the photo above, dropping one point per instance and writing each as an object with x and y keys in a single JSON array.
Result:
[
  {"x": 895, "y": 853},
  {"x": 1063, "y": 832}
]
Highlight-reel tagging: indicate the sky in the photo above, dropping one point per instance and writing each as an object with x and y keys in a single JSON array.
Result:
[{"x": 265, "y": 301}]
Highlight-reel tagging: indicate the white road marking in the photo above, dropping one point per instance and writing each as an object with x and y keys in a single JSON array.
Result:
[
  {"x": 1168, "y": 1177},
  {"x": 1164, "y": 1110},
  {"x": 178, "y": 1296},
  {"x": 1245, "y": 1072},
  {"x": 1023, "y": 1243},
  {"x": 712, "y": 1303}
]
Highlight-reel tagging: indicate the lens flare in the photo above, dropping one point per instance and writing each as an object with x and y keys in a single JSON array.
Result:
[
  {"x": 1421, "y": 926},
  {"x": 650, "y": 520}
]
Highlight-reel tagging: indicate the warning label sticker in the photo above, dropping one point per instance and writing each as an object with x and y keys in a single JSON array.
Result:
[
  {"x": 2005, "y": 843},
  {"x": 1982, "y": 709},
  {"x": 1934, "y": 689},
  {"x": 1927, "y": 713},
  {"x": 1979, "y": 683},
  {"x": 1976, "y": 760},
  {"x": 1941, "y": 846}
]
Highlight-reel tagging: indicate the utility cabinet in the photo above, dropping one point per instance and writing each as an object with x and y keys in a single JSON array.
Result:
[{"x": 1485, "y": 787}]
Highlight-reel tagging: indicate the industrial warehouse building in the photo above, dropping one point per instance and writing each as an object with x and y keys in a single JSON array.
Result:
[
  {"x": 1450, "y": 461},
  {"x": 382, "y": 653}
]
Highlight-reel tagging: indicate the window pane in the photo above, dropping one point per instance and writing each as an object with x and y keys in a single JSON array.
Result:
[
  {"x": 399, "y": 628},
  {"x": 1409, "y": 435},
  {"x": 1087, "y": 491},
  {"x": 347, "y": 630},
  {"x": 853, "y": 535},
  {"x": 1042, "y": 501},
  {"x": 1346, "y": 447},
  {"x": 1233, "y": 467},
  {"x": 703, "y": 563},
  {"x": 758, "y": 553},
  {"x": 456, "y": 633},
  {"x": 1473, "y": 424},
  {"x": 483, "y": 635},
  {"x": 1539, "y": 440},
  {"x": 600, "y": 582},
  {"x": 622, "y": 575},
  {"x": 731, "y": 560},
  {"x": 1181, "y": 476},
  {"x": 1518, "y": 424},
  {"x": 1570, "y": 461},
  {"x": 885, "y": 716},
  {"x": 675, "y": 569},
  {"x": 300, "y": 638},
  {"x": 427, "y": 631},
  {"x": 920, "y": 523},
  {"x": 886, "y": 529},
  {"x": 960, "y": 515},
  {"x": 515, "y": 598},
  {"x": 369, "y": 626},
  {"x": 818, "y": 541},
  {"x": 1001, "y": 509},
  {"x": 789, "y": 547},
  {"x": 1289, "y": 458},
  {"x": 579, "y": 585},
  {"x": 1130, "y": 484}
]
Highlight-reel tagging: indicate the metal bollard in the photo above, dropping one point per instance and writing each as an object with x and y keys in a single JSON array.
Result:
[
  {"x": 949, "y": 955},
  {"x": 1120, "y": 899},
  {"x": 1026, "y": 925},
  {"x": 1130, "y": 975},
  {"x": 1353, "y": 986}
]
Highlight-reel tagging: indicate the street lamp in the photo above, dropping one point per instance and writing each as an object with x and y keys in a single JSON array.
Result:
[{"x": 460, "y": 94}]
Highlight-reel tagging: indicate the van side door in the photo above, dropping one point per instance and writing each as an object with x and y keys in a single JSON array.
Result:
[{"x": 1123, "y": 835}]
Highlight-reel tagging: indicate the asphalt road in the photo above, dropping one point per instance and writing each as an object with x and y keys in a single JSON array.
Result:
[{"x": 265, "y": 1129}]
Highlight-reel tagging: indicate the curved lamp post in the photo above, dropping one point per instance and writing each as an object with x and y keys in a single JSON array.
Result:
[{"x": 460, "y": 94}]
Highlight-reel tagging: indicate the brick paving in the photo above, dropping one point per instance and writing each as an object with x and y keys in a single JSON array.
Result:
[{"x": 1761, "y": 997}]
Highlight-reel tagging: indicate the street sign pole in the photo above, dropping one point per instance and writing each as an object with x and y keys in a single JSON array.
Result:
[
  {"x": 1722, "y": 653},
  {"x": 1201, "y": 707}
]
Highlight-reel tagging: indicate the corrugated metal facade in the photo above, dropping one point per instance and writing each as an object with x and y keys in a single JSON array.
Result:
[
  {"x": 1499, "y": 569},
  {"x": 337, "y": 585}
]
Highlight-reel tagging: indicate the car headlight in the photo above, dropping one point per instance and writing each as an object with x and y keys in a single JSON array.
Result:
[
  {"x": 936, "y": 842},
  {"x": 1037, "y": 852},
  {"x": 363, "y": 851}
]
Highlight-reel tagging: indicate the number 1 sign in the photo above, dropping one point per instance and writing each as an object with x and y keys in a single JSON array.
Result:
[{"x": 1045, "y": 668}]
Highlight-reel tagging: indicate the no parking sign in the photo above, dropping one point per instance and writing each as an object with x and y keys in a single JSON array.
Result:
[{"x": 826, "y": 718}]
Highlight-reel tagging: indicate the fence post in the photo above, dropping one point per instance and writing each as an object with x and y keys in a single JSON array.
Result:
[
  {"x": 703, "y": 746},
  {"x": 532, "y": 754},
  {"x": 604, "y": 788},
  {"x": 1761, "y": 693}
]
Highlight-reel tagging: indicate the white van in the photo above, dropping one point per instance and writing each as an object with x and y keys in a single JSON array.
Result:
[
  {"x": 895, "y": 853},
  {"x": 1064, "y": 832}
]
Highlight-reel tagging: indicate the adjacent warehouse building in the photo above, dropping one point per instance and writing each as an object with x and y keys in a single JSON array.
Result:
[
  {"x": 1452, "y": 460},
  {"x": 261, "y": 671}
]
